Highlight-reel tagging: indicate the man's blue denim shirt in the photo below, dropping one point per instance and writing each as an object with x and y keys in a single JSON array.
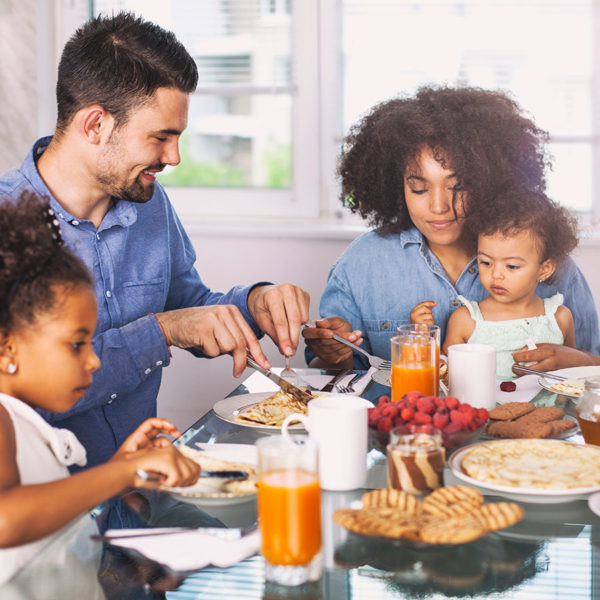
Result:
[
  {"x": 379, "y": 279},
  {"x": 142, "y": 262}
]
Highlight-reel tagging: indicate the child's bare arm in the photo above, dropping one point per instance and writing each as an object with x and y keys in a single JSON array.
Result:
[
  {"x": 422, "y": 313},
  {"x": 564, "y": 318},
  {"x": 30, "y": 512},
  {"x": 459, "y": 329}
]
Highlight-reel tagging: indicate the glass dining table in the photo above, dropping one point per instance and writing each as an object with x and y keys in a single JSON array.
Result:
[{"x": 554, "y": 552}]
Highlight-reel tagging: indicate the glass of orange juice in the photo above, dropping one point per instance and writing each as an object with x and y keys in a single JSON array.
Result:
[
  {"x": 414, "y": 365},
  {"x": 434, "y": 332},
  {"x": 289, "y": 509}
]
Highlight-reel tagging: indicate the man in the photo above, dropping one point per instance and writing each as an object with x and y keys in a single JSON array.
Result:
[{"x": 123, "y": 93}]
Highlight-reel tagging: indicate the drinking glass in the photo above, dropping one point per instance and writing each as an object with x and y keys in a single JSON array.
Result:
[
  {"x": 413, "y": 365},
  {"x": 289, "y": 509},
  {"x": 434, "y": 332}
]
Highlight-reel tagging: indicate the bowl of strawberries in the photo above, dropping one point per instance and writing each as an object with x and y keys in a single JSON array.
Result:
[{"x": 460, "y": 423}]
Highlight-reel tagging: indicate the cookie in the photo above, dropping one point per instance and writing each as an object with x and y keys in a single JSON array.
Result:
[
  {"x": 392, "y": 498},
  {"x": 383, "y": 521},
  {"x": 459, "y": 529},
  {"x": 511, "y": 410},
  {"x": 498, "y": 515},
  {"x": 452, "y": 500},
  {"x": 543, "y": 414},
  {"x": 561, "y": 425}
]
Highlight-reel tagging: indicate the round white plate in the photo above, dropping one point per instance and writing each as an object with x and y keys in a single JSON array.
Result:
[
  {"x": 382, "y": 376},
  {"x": 209, "y": 491},
  {"x": 571, "y": 373},
  {"x": 228, "y": 408},
  {"x": 531, "y": 495}
]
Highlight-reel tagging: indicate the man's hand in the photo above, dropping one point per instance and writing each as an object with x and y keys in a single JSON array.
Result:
[
  {"x": 422, "y": 313},
  {"x": 549, "y": 357},
  {"x": 280, "y": 310},
  {"x": 215, "y": 330},
  {"x": 331, "y": 352}
]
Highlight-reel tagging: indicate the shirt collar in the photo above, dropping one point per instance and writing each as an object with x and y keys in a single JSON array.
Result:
[
  {"x": 121, "y": 213},
  {"x": 411, "y": 236}
]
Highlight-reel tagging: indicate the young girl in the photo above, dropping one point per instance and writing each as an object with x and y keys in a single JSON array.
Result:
[
  {"x": 519, "y": 248},
  {"x": 47, "y": 318}
]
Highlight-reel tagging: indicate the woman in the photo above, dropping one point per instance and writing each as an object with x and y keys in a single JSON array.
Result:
[{"x": 421, "y": 170}]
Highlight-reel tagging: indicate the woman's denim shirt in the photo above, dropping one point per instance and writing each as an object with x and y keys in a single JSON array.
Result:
[{"x": 379, "y": 279}]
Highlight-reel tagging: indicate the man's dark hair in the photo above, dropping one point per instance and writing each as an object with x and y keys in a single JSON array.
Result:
[{"x": 119, "y": 62}]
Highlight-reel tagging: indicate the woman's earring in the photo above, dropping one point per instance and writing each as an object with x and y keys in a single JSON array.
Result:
[{"x": 11, "y": 369}]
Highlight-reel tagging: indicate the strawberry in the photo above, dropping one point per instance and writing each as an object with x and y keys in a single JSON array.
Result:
[
  {"x": 508, "y": 386},
  {"x": 389, "y": 410},
  {"x": 466, "y": 408},
  {"x": 452, "y": 427},
  {"x": 452, "y": 402},
  {"x": 408, "y": 414},
  {"x": 455, "y": 416},
  {"x": 442, "y": 410},
  {"x": 411, "y": 396},
  {"x": 440, "y": 402},
  {"x": 440, "y": 421},
  {"x": 384, "y": 399},
  {"x": 398, "y": 421},
  {"x": 483, "y": 414},
  {"x": 385, "y": 425},
  {"x": 425, "y": 405},
  {"x": 422, "y": 418}
]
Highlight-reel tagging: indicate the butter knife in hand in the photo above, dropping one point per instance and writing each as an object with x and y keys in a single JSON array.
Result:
[{"x": 286, "y": 386}]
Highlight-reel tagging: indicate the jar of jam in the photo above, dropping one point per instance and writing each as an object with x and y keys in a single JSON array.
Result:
[
  {"x": 415, "y": 459},
  {"x": 588, "y": 411}
]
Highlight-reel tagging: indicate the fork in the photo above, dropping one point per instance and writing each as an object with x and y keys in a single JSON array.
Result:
[
  {"x": 374, "y": 361},
  {"x": 349, "y": 387}
]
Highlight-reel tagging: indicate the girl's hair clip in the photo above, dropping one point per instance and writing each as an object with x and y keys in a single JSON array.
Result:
[{"x": 53, "y": 225}]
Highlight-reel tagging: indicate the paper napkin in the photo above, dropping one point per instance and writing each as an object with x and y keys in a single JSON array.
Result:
[
  {"x": 527, "y": 388},
  {"x": 319, "y": 381},
  {"x": 194, "y": 549}
]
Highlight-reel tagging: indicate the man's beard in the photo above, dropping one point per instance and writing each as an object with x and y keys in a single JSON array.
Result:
[{"x": 134, "y": 191}]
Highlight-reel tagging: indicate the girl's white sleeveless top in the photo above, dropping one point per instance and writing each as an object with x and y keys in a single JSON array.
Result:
[{"x": 43, "y": 454}]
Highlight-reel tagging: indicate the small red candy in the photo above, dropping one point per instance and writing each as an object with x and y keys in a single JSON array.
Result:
[{"x": 508, "y": 386}]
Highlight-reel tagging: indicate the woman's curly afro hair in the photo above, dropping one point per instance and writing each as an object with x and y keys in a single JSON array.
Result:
[{"x": 482, "y": 135}]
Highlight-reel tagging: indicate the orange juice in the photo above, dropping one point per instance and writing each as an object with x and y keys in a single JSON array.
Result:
[
  {"x": 289, "y": 513},
  {"x": 406, "y": 380}
]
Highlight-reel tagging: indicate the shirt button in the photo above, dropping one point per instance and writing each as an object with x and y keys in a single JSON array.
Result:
[
  {"x": 109, "y": 402},
  {"x": 147, "y": 371},
  {"x": 75, "y": 222},
  {"x": 471, "y": 269},
  {"x": 108, "y": 294},
  {"x": 113, "y": 396},
  {"x": 158, "y": 363},
  {"x": 385, "y": 326},
  {"x": 455, "y": 302},
  {"x": 97, "y": 236}
]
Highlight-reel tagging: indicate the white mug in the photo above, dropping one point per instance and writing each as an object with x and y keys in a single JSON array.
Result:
[
  {"x": 338, "y": 424},
  {"x": 472, "y": 374}
]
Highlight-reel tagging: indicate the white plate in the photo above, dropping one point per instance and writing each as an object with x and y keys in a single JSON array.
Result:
[
  {"x": 571, "y": 373},
  {"x": 382, "y": 376},
  {"x": 532, "y": 495},
  {"x": 228, "y": 408},
  {"x": 594, "y": 504},
  {"x": 209, "y": 491}
]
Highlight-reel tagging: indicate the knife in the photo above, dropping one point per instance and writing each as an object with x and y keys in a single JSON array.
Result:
[
  {"x": 329, "y": 386},
  {"x": 286, "y": 386}
]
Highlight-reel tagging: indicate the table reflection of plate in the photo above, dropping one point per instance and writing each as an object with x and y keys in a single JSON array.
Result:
[
  {"x": 559, "y": 436},
  {"x": 571, "y": 373},
  {"x": 210, "y": 491},
  {"x": 521, "y": 494},
  {"x": 228, "y": 408},
  {"x": 382, "y": 376}
]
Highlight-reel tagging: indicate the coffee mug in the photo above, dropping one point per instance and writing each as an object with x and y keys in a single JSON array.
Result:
[
  {"x": 338, "y": 424},
  {"x": 472, "y": 374}
]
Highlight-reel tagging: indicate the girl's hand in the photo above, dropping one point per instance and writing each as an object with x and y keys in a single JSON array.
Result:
[
  {"x": 145, "y": 436},
  {"x": 422, "y": 313},
  {"x": 166, "y": 463},
  {"x": 318, "y": 339},
  {"x": 549, "y": 357}
]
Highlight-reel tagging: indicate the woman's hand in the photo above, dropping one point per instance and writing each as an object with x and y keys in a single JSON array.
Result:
[
  {"x": 549, "y": 357},
  {"x": 422, "y": 313},
  {"x": 331, "y": 352}
]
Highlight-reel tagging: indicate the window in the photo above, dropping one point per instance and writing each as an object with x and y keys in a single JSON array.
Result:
[{"x": 281, "y": 82}]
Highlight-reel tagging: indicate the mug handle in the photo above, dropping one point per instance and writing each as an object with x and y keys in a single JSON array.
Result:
[{"x": 288, "y": 420}]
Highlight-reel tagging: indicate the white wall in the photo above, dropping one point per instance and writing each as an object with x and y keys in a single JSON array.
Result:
[{"x": 238, "y": 254}]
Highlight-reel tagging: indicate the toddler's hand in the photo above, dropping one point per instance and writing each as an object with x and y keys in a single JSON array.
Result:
[
  {"x": 422, "y": 313},
  {"x": 166, "y": 463},
  {"x": 145, "y": 436}
]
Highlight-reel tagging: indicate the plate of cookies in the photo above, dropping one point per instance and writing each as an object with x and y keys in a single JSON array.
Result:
[
  {"x": 537, "y": 471},
  {"x": 448, "y": 516},
  {"x": 518, "y": 420}
]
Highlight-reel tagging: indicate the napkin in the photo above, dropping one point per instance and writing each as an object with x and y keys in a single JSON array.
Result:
[
  {"x": 191, "y": 550},
  {"x": 527, "y": 388},
  {"x": 319, "y": 381}
]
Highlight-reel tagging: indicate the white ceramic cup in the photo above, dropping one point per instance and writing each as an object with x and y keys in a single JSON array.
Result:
[
  {"x": 338, "y": 424},
  {"x": 472, "y": 374}
]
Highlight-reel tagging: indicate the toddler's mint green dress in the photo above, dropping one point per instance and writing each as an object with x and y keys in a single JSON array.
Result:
[{"x": 512, "y": 335}]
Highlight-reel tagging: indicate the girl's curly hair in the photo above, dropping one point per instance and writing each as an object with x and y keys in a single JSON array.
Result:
[
  {"x": 32, "y": 262},
  {"x": 482, "y": 135},
  {"x": 553, "y": 227}
]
